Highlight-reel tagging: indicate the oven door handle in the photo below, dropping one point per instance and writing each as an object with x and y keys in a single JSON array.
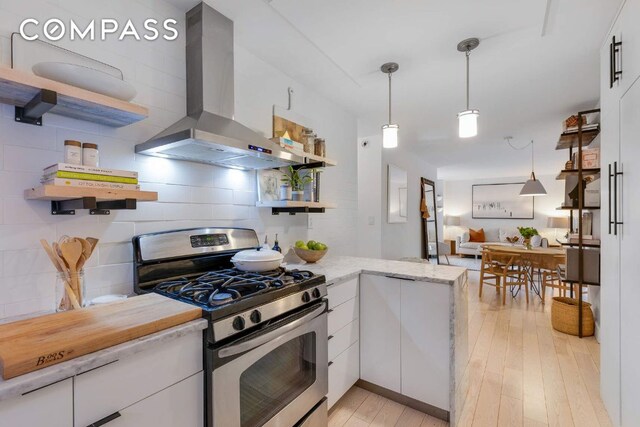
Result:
[{"x": 270, "y": 336}]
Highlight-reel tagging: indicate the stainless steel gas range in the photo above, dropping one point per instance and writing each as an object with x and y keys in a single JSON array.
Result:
[{"x": 266, "y": 343}]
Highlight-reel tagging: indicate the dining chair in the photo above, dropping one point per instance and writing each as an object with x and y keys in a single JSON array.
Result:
[{"x": 502, "y": 270}]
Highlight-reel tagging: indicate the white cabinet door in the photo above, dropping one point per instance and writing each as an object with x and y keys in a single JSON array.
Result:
[
  {"x": 343, "y": 373},
  {"x": 105, "y": 390},
  {"x": 628, "y": 32},
  {"x": 182, "y": 404},
  {"x": 630, "y": 236},
  {"x": 50, "y": 406},
  {"x": 609, "y": 319},
  {"x": 380, "y": 331},
  {"x": 425, "y": 339}
]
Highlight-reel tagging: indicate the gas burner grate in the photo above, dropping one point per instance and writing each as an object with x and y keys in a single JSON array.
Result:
[{"x": 222, "y": 287}]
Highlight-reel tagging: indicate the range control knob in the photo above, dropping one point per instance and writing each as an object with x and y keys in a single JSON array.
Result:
[
  {"x": 316, "y": 293},
  {"x": 238, "y": 323},
  {"x": 255, "y": 317},
  {"x": 306, "y": 297}
]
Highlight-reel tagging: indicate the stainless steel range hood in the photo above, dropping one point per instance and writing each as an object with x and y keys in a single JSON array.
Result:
[{"x": 208, "y": 134}]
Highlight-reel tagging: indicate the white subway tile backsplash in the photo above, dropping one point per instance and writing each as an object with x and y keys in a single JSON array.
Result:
[{"x": 190, "y": 194}]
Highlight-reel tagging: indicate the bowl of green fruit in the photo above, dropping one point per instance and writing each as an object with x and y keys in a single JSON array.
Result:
[{"x": 311, "y": 251}]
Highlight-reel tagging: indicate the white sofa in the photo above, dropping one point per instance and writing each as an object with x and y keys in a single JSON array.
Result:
[{"x": 492, "y": 236}]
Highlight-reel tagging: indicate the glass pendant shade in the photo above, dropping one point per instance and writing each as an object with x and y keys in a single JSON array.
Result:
[
  {"x": 533, "y": 187},
  {"x": 390, "y": 136},
  {"x": 468, "y": 123}
]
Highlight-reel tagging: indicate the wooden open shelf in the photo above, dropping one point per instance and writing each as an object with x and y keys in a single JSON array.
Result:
[
  {"x": 18, "y": 88},
  {"x": 586, "y": 172},
  {"x": 57, "y": 193},
  {"x": 99, "y": 201},
  {"x": 570, "y": 139},
  {"x": 291, "y": 207},
  {"x": 314, "y": 161}
]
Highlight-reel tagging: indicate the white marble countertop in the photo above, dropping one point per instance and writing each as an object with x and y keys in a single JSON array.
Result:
[
  {"x": 337, "y": 268},
  {"x": 43, "y": 377}
]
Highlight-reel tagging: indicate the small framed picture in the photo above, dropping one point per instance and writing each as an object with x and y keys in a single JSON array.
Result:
[{"x": 269, "y": 181}]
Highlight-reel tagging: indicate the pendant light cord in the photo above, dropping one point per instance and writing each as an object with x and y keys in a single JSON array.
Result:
[
  {"x": 467, "y": 54},
  {"x": 389, "y": 98}
]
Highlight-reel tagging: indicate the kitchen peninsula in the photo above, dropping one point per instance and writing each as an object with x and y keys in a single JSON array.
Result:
[{"x": 399, "y": 329}]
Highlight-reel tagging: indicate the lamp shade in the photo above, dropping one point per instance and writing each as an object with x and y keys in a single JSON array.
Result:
[
  {"x": 558, "y": 222},
  {"x": 533, "y": 187},
  {"x": 390, "y": 136},
  {"x": 452, "y": 220},
  {"x": 468, "y": 123}
]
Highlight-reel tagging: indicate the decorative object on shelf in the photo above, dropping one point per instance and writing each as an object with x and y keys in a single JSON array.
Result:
[
  {"x": 500, "y": 201},
  {"x": 533, "y": 187},
  {"x": 527, "y": 234},
  {"x": 86, "y": 78},
  {"x": 269, "y": 184},
  {"x": 320, "y": 147},
  {"x": 572, "y": 186},
  {"x": 558, "y": 222},
  {"x": 571, "y": 122},
  {"x": 285, "y": 192},
  {"x": 468, "y": 119},
  {"x": 286, "y": 141},
  {"x": 309, "y": 140},
  {"x": 396, "y": 194},
  {"x": 590, "y": 158},
  {"x": 90, "y": 155},
  {"x": 73, "y": 152},
  {"x": 297, "y": 179},
  {"x": 389, "y": 130},
  {"x": 568, "y": 165},
  {"x": 69, "y": 256}
]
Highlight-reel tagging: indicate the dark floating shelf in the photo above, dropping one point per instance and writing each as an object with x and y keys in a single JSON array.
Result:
[
  {"x": 586, "y": 208},
  {"x": 586, "y": 172},
  {"x": 570, "y": 139}
]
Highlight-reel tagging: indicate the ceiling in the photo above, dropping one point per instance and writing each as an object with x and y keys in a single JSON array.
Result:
[{"x": 537, "y": 63}]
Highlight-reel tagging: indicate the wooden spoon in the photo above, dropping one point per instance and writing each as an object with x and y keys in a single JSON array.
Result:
[
  {"x": 71, "y": 253},
  {"x": 63, "y": 270},
  {"x": 94, "y": 242},
  {"x": 86, "y": 252}
]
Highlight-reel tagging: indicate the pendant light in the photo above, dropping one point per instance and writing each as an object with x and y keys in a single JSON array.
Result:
[
  {"x": 390, "y": 130},
  {"x": 533, "y": 187},
  {"x": 468, "y": 119}
]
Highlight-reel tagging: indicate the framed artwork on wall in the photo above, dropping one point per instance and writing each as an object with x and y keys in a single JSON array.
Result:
[{"x": 500, "y": 201}]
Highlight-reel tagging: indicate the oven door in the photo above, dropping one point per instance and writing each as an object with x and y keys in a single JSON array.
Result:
[{"x": 272, "y": 377}]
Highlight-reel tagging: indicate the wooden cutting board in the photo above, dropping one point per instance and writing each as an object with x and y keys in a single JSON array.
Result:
[{"x": 37, "y": 343}]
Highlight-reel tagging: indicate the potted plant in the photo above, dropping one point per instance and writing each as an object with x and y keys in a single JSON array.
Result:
[
  {"x": 527, "y": 233},
  {"x": 297, "y": 180}
]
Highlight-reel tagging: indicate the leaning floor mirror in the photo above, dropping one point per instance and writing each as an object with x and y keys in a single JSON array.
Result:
[{"x": 429, "y": 220}]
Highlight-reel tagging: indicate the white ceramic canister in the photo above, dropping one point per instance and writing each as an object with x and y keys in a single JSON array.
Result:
[
  {"x": 90, "y": 154},
  {"x": 72, "y": 152}
]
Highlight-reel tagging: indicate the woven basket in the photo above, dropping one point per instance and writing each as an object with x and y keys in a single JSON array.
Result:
[
  {"x": 310, "y": 256},
  {"x": 564, "y": 316}
]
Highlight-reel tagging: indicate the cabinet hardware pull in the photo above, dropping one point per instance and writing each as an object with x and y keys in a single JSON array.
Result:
[
  {"x": 330, "y": 363},
  {"x": 106, "y": 420},
  {"x": 616, "y": 174},
  {"x": 401, "y": 278},
  {"x": 610, "y": 176},
  {"x": 330, "y": 311},
  {"x": 330, "y": 337},
  {"x": 614, "y": 50}
]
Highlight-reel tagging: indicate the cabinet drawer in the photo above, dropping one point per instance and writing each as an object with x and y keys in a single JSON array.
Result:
[
  {"x": 344, "y": 371},
  {"x": 342, "y": 292},
  {"x": 111, "y": 388},
  {"x": 181, "y": 404},
  {"x": 50, "y": 406},
  {"x": 342, "y": 315},
  {"x": 343, "y": 339}
]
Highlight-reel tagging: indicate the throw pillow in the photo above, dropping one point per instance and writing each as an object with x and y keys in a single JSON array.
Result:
[
  {"x": 464, "y": 238},
  {"x": 476, "y": 235}
]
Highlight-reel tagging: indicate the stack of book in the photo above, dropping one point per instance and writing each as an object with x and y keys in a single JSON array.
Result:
[{"x": 69, "y": 175}]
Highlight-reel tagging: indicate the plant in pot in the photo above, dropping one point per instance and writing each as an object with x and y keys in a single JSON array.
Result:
[
  {"x": 527, "y": 233},
  {"x": 297, "y": 180}
]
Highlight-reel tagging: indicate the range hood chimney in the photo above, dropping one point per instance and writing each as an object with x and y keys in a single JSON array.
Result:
[{"x": 208, "y": 134}]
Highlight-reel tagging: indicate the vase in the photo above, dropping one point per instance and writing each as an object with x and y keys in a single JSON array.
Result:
[
  {"x": 285, "y": 192},
  {"x": 297, "y": 196},
  {"x": 527, "y": 243}
]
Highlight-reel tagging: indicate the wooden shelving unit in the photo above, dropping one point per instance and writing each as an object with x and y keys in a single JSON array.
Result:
[
  {"x": 293, "y": 207},
  {"x": 20, "y": 89},
  {"x": 99, "y": 201},
  {"x": 570, "y": 139},
  {"x": 595, "y": 172}
]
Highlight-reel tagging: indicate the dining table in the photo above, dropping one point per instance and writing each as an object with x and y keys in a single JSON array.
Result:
[{"x": 535, "y": 258}]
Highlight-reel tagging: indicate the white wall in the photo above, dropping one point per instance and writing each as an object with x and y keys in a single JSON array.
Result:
[
  {"x": 370, "y": 197},
  {"x": 190, "y": 194},
  {"x": 457, "y": 202}
]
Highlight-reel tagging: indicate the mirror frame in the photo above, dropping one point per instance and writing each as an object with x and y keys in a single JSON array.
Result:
[{"x": 424, "y": 182}]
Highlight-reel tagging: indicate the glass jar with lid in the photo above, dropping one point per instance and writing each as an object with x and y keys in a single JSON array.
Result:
[
  {"x": 308, "y": 140},
  {"x": 320, "y": 147}
]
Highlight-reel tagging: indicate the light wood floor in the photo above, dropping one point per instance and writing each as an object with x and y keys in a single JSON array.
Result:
[{"x": 521, "y": 373}]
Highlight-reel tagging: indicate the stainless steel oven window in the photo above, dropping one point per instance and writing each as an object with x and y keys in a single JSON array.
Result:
[{"x": 277, "y": 379}]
